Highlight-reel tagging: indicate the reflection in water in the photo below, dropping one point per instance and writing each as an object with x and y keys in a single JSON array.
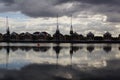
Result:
[
  {"x": 75, "y": 48},
  {"x": 90, "y": 48},
  {"x": 42, "y": 49},
  {"x": 107, "y": 48},
  {"x": 14, "y": 48},
  {"x": 71, "y": 52},
  {"x": 57, "y": 49},
  {"x": 49, "y": 72},
  {"x": 7, "y": 54},
  {"x": 38, "y": 62},
  {"x": 27, "y": 48}
]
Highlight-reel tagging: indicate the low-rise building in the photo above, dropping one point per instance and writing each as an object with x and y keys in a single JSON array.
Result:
[
  {"x": 107, "y": 36},
  {"x": 28, "y": 36},
  {"x": 1, "y": 37},
  {"x": 14, "y": 36},
  {"x": 90, "y": 36}
]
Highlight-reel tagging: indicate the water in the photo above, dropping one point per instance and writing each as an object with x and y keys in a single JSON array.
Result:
[{"x": 60, "y": 61}]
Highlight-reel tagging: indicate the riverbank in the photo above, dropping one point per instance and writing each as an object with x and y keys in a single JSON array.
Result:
[{"x": 54, "y": 41}]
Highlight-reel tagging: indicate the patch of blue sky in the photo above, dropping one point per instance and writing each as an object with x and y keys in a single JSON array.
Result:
[{"x": 15, "y": 15}]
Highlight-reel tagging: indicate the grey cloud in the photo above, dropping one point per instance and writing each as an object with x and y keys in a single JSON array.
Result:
[
  {"x": 50, "y": 8},
  {"x": 8, "y": 1},
  {"x": 58, "y": 72},
  {"x": 100, "y": 1}
]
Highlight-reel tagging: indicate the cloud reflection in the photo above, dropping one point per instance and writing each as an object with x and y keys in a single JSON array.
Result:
[
  {"x": 49, "y": 71},
  {"x": 58, "y": 54}
]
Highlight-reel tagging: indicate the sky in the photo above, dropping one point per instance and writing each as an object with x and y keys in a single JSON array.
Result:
[{"x": 97, "y": 16}]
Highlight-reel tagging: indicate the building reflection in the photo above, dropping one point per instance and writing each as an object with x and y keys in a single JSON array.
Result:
[
  {"x": 7, "y": 55},
  {"x": 90, "y": 48},
  {"x": 83, "y": 58},
  {"x": 36, "y": 49},
  {"x": 107, "y": 49},
  {"x": 1, "y": 47},
  {"x": 27, "y": 48},
  {"x": 14, "y": 48},
  {"x": 75, "y": 48},
  {"x": 80, "y": 47},
  {"x": 119, "y": 48},
  {"x": 57, "y": 49},
  {"x": 71, "y": 53}
]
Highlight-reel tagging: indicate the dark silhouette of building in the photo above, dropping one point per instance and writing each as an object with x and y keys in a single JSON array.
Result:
[
  {"x": 7, "y": 34},
  {"x": 47, "y": 36},
  {"x": 71, "y": 28},
  {"x": 22, "y": 36},
  {"x": 107, "y": 36},
  {"x": 28, "y": 36},
  {"x": 36, "y": 36},
  {"x": 57, "y": 35},
  {"x": 81, "y": 37},
  {"x": 119, "y": 37},
  {"x": 41, "y": 36},
  {"x": 98, "y": 38},
  {"x": 90, "y": 36},
  {"x": 14, "y": 36},
  {"x": 1, "y": 36},
  {"x": 73, "y": 35}
]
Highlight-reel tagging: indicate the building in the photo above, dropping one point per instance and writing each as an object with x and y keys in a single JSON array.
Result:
[
  {"x": 57, "y": 35},
  {"x": 14, "y": 36},
  {"x": 75, "y": 36},
  {"x": 47, "y": 36},
  {"x": 107, "y": 36},
  {"x": 37, "y": 36},
  {"x": 119, "y": 37},
  {"x": 90, "y": 36},
  {"x": 6, "y": 36},
  {"x": 41, "y": 36},
  {"x": 1, "y": 36},
  {"x": 71, "y": 28},
  {"x": 27, "y": 36},
  {"x": 81, "y": 37},
  {"x": 22, "y": 36}
]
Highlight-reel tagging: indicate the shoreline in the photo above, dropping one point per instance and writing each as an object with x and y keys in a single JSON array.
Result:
[{"x": 53, "y": 41}]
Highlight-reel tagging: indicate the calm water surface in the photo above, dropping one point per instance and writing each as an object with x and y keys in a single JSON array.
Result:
[{"x": 60, "y": 61}]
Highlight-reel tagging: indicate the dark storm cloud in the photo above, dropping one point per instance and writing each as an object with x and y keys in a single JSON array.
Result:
[
  {"x": 113, "y": 2},
  {"x": 100, "y": 1},
  {"x": 58, "y": 72},
  {"x": 50, "y": 8},
  {"x": 62, "y": 1},
  {"x": 7, "y": 1}
]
